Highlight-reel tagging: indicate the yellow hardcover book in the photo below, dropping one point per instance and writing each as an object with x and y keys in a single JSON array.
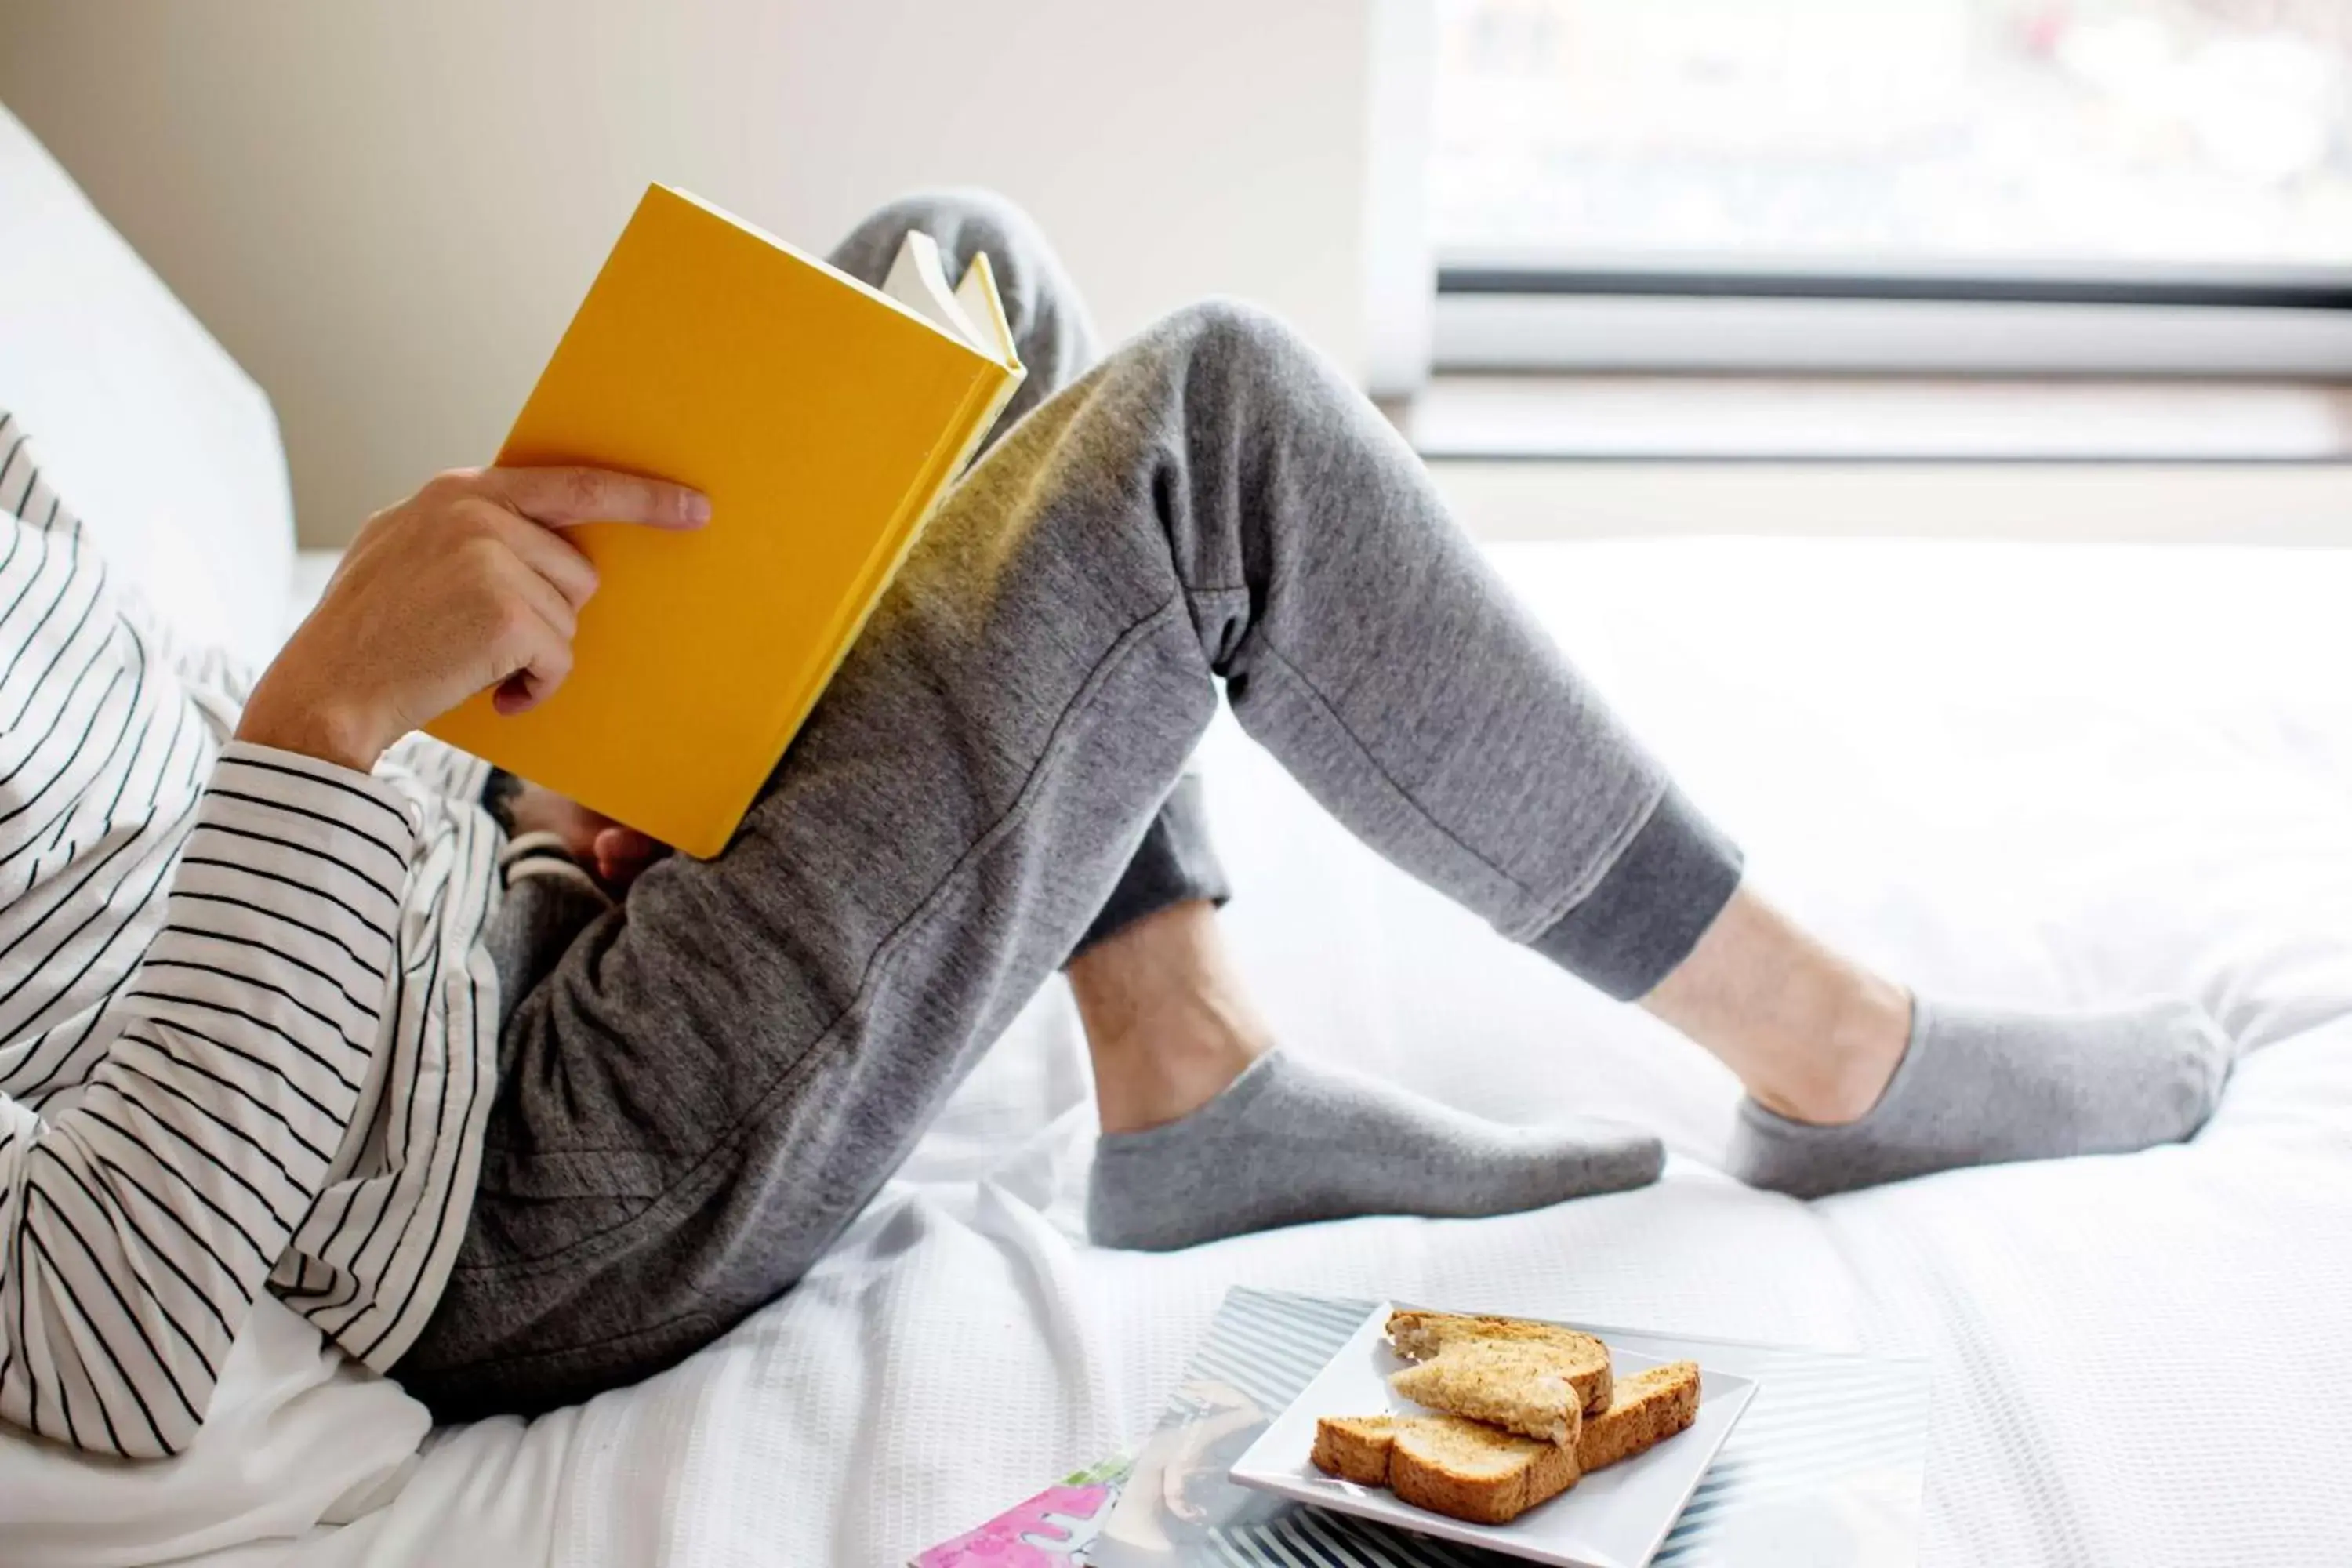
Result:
[{"x": 825, "y": 419}]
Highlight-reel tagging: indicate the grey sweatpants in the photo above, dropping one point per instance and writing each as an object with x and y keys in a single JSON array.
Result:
[{"x": 719, "y": 1073}]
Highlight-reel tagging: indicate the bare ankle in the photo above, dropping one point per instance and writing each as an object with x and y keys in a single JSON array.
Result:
[
  {"x": 1845, "y": 1071},
  {"x": 1167, "y": 1024},
  {"x": 1812, "y": 1035},
  {"x": 1146, "y": 1082}
]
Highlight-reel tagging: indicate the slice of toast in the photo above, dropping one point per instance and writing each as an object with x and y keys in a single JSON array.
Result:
[
  {"x": 1459, "y": 1468},
  {"x": 1466, "y": 1470},
  {"x": 1421, "y": 1336},
  {"x": 1355, "y": 1447},
  {"x": 1520, "y": 1387},
  {"x": 1647, "y": 1408}
]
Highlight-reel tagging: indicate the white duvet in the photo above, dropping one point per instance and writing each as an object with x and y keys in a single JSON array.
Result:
[{"x": 2039, "y": 774}]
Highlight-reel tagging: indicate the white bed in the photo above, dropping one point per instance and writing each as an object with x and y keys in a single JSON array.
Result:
[{"x": 2042, "y": 775}]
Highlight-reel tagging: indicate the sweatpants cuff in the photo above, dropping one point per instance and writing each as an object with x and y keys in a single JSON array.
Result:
[
  {"x": 1175, "y": 864},
  {"x": 1652, "y": 907}
]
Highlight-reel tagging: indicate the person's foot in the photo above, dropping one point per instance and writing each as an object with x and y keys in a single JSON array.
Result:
[
  {"x": 1976, "y": 1087},
  {"x": 1290, "y": 1141}
]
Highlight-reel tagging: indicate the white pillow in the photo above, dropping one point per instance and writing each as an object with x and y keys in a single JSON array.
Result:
[{"x": 147, "y": 428}]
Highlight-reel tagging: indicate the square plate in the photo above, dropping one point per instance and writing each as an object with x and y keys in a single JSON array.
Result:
[{"x": 1613, "y": 1518}]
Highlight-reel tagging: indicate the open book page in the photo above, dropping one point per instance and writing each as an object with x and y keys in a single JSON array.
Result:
[
  {"x": 985, "y": 308},
  {"x": 971, "y": 311}
]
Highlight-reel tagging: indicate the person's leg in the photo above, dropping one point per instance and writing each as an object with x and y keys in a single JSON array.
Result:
[
  {"x": 1809, "y": 1033},
  {"x": 1168, "y": 1025},
  {"x": 1177, "y": 863},
  {"x": 1207, "y": 1131},
  {"x": 1852, "y": 1082}
]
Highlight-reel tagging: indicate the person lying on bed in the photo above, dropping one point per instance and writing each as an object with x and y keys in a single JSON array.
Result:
[{"x": 286, "y": 1007}]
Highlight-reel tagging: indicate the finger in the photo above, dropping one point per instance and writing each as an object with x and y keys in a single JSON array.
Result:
[
  {"x": 536, "y": 648},
  {"x": 563, "y": 497},
  {"x": 535, "y": 681},
  {"x": 545, "y": 551},
  {"x": 548, "y": 602}
]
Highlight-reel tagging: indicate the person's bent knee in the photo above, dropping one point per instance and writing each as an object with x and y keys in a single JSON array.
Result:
[
  {"x": 1221, "y": 330},
  {"x": 1254, "y": 358},
  {"x": 1221, "y": 323}
]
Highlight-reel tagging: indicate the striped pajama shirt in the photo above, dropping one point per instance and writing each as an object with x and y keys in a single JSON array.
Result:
[{"x": 247, "y": 1025}]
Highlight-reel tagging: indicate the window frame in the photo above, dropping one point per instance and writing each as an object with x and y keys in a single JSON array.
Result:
[{"x": 1595, "y": 315}]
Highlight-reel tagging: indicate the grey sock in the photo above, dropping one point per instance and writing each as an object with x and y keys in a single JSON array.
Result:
[
  {"x": 1977, "y": 1088},
  {"x": 1291, "y": 1142}
]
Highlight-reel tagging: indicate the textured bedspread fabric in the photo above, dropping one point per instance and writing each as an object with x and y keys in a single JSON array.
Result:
[{"x": 2041, "y": 775}]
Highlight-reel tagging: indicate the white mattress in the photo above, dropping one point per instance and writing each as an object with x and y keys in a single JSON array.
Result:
[{"x": 2046, "y": 775}]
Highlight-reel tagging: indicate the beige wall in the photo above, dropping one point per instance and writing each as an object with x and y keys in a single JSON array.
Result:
[{"x": 387, "y": 210}]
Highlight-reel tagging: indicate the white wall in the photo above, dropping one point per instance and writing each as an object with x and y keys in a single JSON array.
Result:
[{"x": 387, "y": 208}]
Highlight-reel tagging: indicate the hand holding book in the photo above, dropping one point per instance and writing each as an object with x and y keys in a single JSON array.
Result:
[{"x": 466, "y": 586}]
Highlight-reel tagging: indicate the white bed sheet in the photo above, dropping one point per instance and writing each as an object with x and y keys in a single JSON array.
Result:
[{"x": 2048, "y": 775}]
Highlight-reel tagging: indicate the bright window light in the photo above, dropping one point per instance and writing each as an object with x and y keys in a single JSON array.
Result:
[{"x": 1898, "y": 134}]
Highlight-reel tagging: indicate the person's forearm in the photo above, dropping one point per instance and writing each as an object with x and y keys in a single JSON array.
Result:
[{"x": 137, "y": 1228}]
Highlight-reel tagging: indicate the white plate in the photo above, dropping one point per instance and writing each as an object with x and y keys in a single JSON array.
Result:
[{"x": 1613, "y": 1518}]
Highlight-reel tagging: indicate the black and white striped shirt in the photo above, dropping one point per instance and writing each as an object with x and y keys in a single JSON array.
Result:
[{"x": 247, "y": 1026}]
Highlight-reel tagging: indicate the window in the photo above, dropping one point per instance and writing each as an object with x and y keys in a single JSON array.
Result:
[{"x": 1989, "y": 184}]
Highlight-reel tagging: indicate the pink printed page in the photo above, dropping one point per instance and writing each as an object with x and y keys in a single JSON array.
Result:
[{"x": 1049, "y": 1531}]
